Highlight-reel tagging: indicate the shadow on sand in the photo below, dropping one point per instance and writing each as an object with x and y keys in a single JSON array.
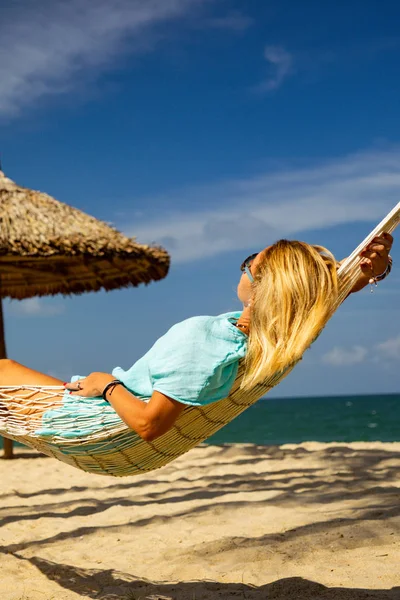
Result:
[
  {"x": 367, "y": 480},
  {"x": 113, "y": 585}
]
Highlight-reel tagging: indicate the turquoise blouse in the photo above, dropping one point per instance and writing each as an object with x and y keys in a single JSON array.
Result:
[{"x": 195, "y": 362}]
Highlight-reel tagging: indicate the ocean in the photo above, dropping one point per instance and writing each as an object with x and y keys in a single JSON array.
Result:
[{"x": 322, "y": 419}]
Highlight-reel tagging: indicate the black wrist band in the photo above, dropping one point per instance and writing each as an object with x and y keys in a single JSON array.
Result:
[{"x": 111, "y": 386}]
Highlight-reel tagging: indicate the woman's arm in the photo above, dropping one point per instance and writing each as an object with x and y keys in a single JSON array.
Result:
[
  {"x": 374, "y": 260},
  {"x": 149, "y": 419}
]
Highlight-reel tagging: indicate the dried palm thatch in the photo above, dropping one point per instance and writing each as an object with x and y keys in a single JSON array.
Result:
[{"x": 48, "y": 247}]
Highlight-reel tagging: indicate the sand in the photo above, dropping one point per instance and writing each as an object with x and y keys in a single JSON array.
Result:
[{"x": 296, "y": 522}]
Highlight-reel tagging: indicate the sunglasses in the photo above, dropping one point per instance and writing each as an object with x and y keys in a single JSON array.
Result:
[{"x": 245, "y": 266}]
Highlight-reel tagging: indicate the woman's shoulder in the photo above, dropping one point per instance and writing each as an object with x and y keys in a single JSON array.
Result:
[
  {"x": 202, "y": 330},
  {"x": 202, "y": 344},
  {"x": 206, "y": 324}
]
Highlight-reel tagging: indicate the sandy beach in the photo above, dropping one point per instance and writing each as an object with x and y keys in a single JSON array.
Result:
[{"x": 309, "y": 521}]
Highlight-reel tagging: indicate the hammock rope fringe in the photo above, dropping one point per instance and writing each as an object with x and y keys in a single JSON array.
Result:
[{"x": 115, "y": 449}]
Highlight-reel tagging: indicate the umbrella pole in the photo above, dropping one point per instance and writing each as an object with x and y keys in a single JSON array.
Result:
[{"x": 7, "y": 444}]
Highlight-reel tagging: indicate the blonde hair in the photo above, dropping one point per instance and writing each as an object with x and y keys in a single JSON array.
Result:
[{"x": 294, "y": 290}]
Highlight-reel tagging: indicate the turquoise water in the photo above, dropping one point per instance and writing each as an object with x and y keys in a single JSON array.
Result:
[{"x": 324, "y": 419}]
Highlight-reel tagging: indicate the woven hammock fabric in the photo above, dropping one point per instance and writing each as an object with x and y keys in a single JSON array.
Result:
[{"x": 117, "y": 450}]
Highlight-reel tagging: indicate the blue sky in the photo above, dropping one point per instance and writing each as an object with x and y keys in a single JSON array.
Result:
[{"x": 213, "y": 128}]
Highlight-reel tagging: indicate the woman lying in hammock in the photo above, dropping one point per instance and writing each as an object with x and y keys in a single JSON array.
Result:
[{"x": 288, "y": 291}]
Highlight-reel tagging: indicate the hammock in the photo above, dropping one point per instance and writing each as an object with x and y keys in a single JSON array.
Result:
[{"x": 117, "y": 450}]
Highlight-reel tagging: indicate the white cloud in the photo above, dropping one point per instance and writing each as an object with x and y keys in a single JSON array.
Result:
[
  {"x": 36, "y": 307},
  {"x": 390, "y": 349},
  {"x": 49, "y": 45},
  {"x": 282, "y": 62},
  {"x": 345, "y": 357},
  {"x": 253, "y": 212}
]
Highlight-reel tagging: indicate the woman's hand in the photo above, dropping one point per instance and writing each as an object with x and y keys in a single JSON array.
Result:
[
  {"x": 90, "y": 387},
  {"x": 375, "y": 256}
]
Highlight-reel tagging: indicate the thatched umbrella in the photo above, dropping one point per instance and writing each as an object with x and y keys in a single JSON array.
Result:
[{"x": 48, "y": 247}]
